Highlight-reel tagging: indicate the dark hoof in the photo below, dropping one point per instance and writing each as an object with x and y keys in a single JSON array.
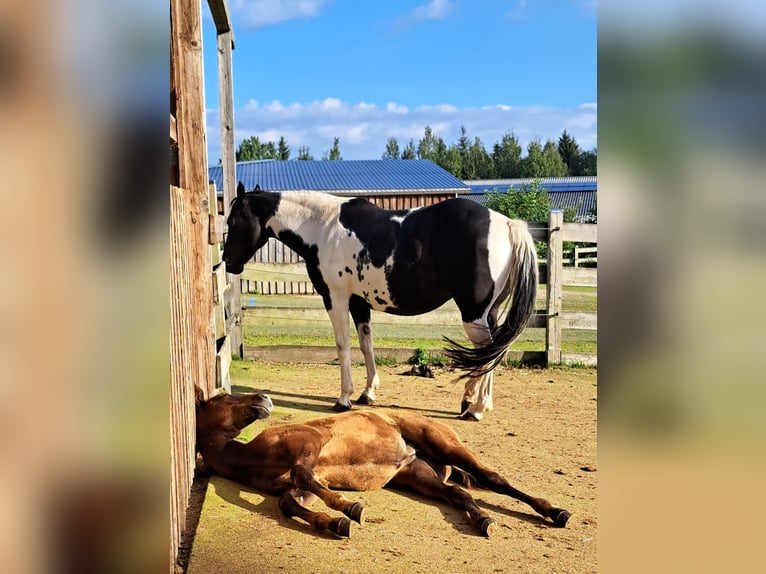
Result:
[
  {"x": 364, "y": 400},
  {"x": 561, "y": 518},
  {"x": 343, "y": 527},
  {"x": 341, "y": 408},
  {"x": 356, "y": 513},
  {"x": 464, "y": 406},
  {"x": 488, "y": 526}
]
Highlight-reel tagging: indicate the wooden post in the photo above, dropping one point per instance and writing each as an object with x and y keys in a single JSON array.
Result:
[
  {"x": 555, "y": 287},
  {"x": 186, "y": 44},
  {"x": 228, "y": 163}
]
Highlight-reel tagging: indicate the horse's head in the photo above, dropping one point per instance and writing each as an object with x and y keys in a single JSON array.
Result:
[
  {"x": 229, "y": 414},
  {"x": 246, "y": 234}
]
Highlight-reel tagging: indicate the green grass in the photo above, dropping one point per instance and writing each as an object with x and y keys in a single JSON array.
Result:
[{"x": 301, "y": 320}]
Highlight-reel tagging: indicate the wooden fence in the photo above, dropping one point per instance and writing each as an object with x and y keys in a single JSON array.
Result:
[
  {"x": 276, "y": 269},
  {"x": 204, "y": 327}
]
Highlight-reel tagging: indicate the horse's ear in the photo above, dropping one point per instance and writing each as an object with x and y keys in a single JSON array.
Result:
[
  {"x": 199, "y": 395},
  {"x": 240, "y": 190},
  {"x": 257, "y": 188}
]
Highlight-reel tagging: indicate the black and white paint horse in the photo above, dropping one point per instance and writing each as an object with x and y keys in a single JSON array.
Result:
[{"x": 361, "y": 257}]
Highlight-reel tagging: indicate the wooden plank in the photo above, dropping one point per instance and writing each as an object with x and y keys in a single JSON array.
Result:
[
  {"x": 219, "y": 315},
  {"x": 581, "y": 232},
  {"x": 226, "y": 103},
  {"x": 538, "y": 230},
  {"x": 579, "y": 321},
  {"x": 580, "y": 277},
  {"x": 223, "y": 364},
  {"x": 182, "y": 366},
  {"x": 186, "y": 51},
  {"x": 555, "y": 285},
  {"x": 173, "y": 129},
  {"x": 584, "y": 358},
  {"x": 219, "y": 9}
]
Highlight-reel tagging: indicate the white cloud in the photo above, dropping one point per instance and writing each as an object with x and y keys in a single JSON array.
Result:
[
  {"x": 434, "y": 10},
  {"x": 254, "y": 14},
  {"x": 363, "y": 127}
]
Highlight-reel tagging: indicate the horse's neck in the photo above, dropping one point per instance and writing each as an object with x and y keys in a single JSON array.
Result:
[
  {"x": 304, "y": 213},
  {"x": 223, "y": 455}
]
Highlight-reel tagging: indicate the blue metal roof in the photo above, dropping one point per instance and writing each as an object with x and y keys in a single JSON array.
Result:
[
  {"x": 551, "y": 184},
  {"x": 564, "y": 192},
  {"x": 356, "y": 177}
]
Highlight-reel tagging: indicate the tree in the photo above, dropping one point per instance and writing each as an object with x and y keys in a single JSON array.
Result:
[
  {"x": 334, "y": 153},
  {"x": 588, "y": 162},
  {"x": 283, "y": 150},
  {"x": 554, "y": 165},
  {"x": 252, "y": 148},
  {"x": 304, "y": 154},
  {"x": 569, "y": 152},
  {"x": 506, "y": 157},
  {"x": 479, "y": 162},
  {"x": 432, "y": 147},
  {"x": 392, "y": 149},
  {"x": 409, "y": 151},
  {"x": 529, "y": 202}
]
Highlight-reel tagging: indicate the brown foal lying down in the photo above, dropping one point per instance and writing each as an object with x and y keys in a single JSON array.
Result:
[{"x": 357, "y": 450}]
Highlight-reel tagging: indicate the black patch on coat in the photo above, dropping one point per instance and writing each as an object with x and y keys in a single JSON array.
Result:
[
  {"x": 373, "y": 226},
  {"x": 441, "y": 253},
  {"x": 348, "y": 270},
  {"x": 310, "y": 254},
  {"x": 380, "y": 301},
  {"x": 360, "y": 312}
]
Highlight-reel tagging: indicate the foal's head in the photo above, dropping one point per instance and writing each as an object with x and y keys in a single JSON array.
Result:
[
  {"x": 226, "y": 415},
  {"x": 245, "y": 235}
]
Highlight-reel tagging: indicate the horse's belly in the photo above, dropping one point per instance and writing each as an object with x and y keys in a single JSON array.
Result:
[{"x": 357, "y": 476}]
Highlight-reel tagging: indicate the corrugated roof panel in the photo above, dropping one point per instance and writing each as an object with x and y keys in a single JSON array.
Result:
[{"x": 359, "y": 176}]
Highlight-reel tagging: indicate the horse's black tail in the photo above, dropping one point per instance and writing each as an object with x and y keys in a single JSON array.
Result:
[{"x": 522, "y": 281}]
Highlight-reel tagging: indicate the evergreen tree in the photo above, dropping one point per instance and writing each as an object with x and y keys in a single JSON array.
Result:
[
  {"x": 506, "y": 157},
  {"x": 334, "y": 153},
  {"x": 533, "y": 165},
  {"x": 570, "y": 153},
  {"x": 554, "y": 165},
  {"x": 588, "y": 162},
  {"x": 304, "y": 154},
  {"x": 409, "y": 151},
  {"x": 283, "y": 150},
  {"x": 392, "y": 149}
]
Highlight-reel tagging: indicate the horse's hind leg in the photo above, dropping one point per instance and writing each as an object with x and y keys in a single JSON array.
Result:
[
  {"x": 290, "y": 507},
  {"x": 360, "y": 313},
  {"x": 477, "y": 396},
  {"x": 439, "y": 443},
  {"x": 422, "y": 478}
]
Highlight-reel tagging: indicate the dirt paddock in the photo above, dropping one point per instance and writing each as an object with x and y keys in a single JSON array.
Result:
[{"x": 541, "y": 436}]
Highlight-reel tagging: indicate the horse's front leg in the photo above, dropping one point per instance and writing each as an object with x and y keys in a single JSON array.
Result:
[
  {"x": 338, "y": 313},
  {"x": 360, "y": 313}
]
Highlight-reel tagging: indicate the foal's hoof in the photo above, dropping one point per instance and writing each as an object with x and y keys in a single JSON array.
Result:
[
  {"x": 343, "y": 527},
  {"x": 365, "y": 400},
  {"x": 341, "y": 408},
  {"x": 561, "y": 518},
  {"x": 488, "y": 526},
  {"x": 356, "y": 513}
]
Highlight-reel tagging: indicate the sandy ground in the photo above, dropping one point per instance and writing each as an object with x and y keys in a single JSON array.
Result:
[{"x": 541, "y": 436}]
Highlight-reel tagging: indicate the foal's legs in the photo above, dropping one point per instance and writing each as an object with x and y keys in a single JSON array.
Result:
[
  {"x": 295, "y": 502},
  {"x": 360, "y": 313},
  {"x": 439, "y": 443},
  {"x": 290, "y": 506},
  {"x": 423, "y": 479}
]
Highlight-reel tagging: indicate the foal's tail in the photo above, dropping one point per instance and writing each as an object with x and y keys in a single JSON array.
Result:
[{"x": 522, "y": 281}]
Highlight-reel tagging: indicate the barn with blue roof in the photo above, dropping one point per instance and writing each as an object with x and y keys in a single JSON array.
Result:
[{"x": 399, "y": 184}]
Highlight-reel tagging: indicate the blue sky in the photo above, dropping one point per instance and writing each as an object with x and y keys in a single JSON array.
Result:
[{"x": 364, "y": 71}]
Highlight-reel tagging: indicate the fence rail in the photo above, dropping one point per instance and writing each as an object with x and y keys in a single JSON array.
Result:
[{"x": 277, "y": 270}]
